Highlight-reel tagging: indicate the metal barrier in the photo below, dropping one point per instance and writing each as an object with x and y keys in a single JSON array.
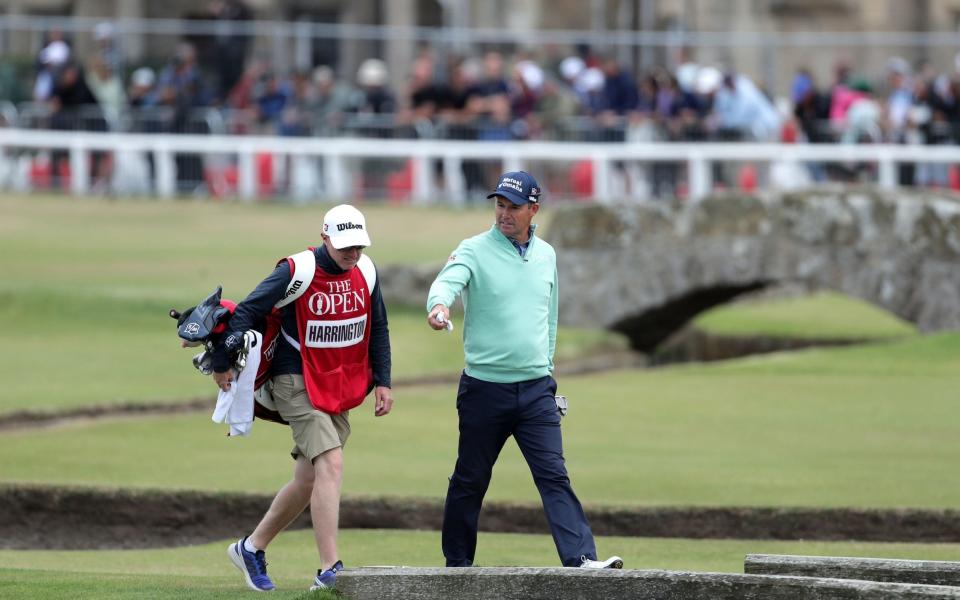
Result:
[
  {"x": 435, "y": 170},
  {"x": 299, "y": 121},
  {"x": 153, "y": 119},
  {"x": 8, "y": 114}
]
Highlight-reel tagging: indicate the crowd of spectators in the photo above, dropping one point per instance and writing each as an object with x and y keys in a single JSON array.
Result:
[{"x": 491, "y": 97}]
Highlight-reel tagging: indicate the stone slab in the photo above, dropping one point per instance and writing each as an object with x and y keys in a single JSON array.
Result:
[
  {"x": 525, "y": 583},
  {"x": 931, "y": 572}
]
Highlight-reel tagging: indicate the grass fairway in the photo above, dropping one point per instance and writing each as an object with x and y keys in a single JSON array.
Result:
[
  {"x": 822, "y": 315},
  {"x": 870, "y": 427},
  {"x": 84, "y": 296},
  {"x": 171, "y": 250},
  {"x": 205, "y": 572},
  {"x": 87, "y": 285},
  {"x": 92, "y": 351}
]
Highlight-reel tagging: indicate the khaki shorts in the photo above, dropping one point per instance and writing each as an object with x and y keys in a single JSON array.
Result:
[{"x": 314, "y": 431}]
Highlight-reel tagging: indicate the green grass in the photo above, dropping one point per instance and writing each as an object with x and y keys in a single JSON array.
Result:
[
  {"x": 205, "y": 572},
  {"x": 87, "y": 285},
  {"x": 85, "y": 324},
  {"x": 872, "y": 427},
  {"x": 915, "y": 360},
  {"x": 825, "y": 315},
  {"x": 85, "y": 290},
  {"x": 176, "y": 251},
  {"x": 65, "y": 351}
]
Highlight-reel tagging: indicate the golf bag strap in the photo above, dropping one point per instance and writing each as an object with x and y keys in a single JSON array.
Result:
[
  {"x": 304, "y": 265},
  {"x": 290, "y": 339},
  {"x": 368, "y": 271}
]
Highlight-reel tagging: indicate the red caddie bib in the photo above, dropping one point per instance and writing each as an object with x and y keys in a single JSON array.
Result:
[{"x": 333, "y": 325}]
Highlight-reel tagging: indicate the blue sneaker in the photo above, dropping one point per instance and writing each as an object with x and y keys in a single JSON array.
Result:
[
  {"x": 326, "y": 579},
  {"x": 252, "y": 565}
]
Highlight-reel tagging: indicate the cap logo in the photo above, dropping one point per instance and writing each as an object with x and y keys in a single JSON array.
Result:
[
  {"x": 346, "y": 226},
  {"x": 513, "y": 184},
  {"x": 326, "y": 228}
]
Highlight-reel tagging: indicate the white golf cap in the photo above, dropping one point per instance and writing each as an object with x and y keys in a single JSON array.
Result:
[{"x": 345, "y": 226}]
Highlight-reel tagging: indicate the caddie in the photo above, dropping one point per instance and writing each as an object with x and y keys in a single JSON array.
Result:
[{"x": 333, "y": 349}]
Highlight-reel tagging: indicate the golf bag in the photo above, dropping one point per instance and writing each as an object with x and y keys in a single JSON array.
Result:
[{"x": 203, "y": 324}]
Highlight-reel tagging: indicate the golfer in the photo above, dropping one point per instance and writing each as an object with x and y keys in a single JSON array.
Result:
[{"x": 508, "y": 281}]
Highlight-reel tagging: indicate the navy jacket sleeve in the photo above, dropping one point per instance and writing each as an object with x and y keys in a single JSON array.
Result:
[
  {"x": 255, "y": 307},
  {"x": 379, "y": 339}
]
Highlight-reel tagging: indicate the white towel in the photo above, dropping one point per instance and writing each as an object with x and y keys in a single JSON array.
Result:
[{"x": 235, "y": 406}]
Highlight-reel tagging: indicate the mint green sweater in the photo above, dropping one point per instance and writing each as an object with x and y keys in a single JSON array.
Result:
[{"x": 510, "y": 303}]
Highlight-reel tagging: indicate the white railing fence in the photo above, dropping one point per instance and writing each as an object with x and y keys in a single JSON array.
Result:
[{"x": 325, "y": 168}]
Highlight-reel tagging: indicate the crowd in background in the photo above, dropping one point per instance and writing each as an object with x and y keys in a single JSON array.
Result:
[{"x": 491, "y": 97}]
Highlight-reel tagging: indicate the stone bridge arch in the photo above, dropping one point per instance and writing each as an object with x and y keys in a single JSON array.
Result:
[{"x": 648, "y": 269}]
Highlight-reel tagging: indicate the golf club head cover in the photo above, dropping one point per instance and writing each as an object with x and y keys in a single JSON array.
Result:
[{"x": 197, "y": 325}]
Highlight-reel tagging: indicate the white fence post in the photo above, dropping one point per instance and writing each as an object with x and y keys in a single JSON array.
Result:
[
  {"x": 79, "y": 168},
  {"x": 512, "y": 162},
  {"x": 165, "y": 171},
  {"x": 247, "y": 177},
  {"x": 887, "y": 171},
  {"x": 601, "y": 178},
  {"x": 422, "y": 179},
  {"x": 455, "y": 185},
  {"x": 335, "y": 176},
  {"x": 698, "y": 172}
]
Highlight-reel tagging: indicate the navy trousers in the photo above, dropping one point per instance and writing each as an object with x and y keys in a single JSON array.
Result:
[{"x": 489, "y": 414}]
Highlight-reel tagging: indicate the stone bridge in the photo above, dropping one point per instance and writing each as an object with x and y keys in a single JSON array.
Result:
[{"x": 648, "y": 269}]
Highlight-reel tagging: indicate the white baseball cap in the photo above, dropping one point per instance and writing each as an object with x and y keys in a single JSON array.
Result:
[
  {"x": 56, "y": 53},
  {"x": 708, "y": 80},
  {"x": 571, "y": 67},
  {"x": 345, "y": 226},
  {"x": 372, "y": 72},
  {"x": 143, "y": 77}
]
